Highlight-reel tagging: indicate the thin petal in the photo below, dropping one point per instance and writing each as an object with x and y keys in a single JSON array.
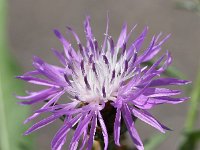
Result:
[
  {"x": 92, "y": 132},
  {"x": 117, "y": 127},
  {"x": 166, "y": 99},
  {"x": 35, "y": 80},
  {"x": 84, "y": 140},
  {"x": 53, "y": 100},
  {"x": 131, "y": 127},
  {"x": 104, "y": 131},
  {"x": 41, "y": 124},
  {"x": 137, "y": 43},
  {"x": 149, "y": 119},
  {"x": 88, "y": 29},
  {"x": 122, "y": 36},
  {"x": 49, "y": 71},
  {"x": 38, "y": 96},
  {"x": 61, "y": 134},
  {"x": 79, "y": 130},
  {"x": 168, "y": 81},
  {"x": 158, "y": 92},
  {"x": 60, "y": 56},
  {"x": 69, "y": 51},
  {"x": 156, "y": 49}
]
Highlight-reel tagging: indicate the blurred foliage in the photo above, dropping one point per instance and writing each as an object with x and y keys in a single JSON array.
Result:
[
  {"x": 191, "y": 140},
  {"x": 194, "y": 105},
  {"x": 191, "y": 5},
  {"x": 11, "y": 114},
  {"x": 192, "y": 135},
  {"x": 154, "y": 141}
]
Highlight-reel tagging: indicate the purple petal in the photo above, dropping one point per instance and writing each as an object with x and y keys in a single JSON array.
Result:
[
  {"x": 137, "y": 93},
  {"x": 112, "y": 46},
  {"x": 59, "y": 108},
  {"x": 117, "y": 127},
  {"x": 79, "y": 130},
  {"x": 158, "y": 92},
  {"x": 92, "y": 132},
  {"x": 168, "y": 81},
  {"x": 69, "y": 51},
  {"x": 32, "y": 73},
  {"x": 122, "y": 36},
  {"x": 53, "y": 100},
  {"x": 147, "y": 52},
  {"x": 166, "y": 99},
  {"x": 38, "y": 81},
  {"x": 131, "y": 127},
  {"x": 166, "y": 63},
  {"x": 129, "y": 34},
  {"x": 137, "y": 43},
  {"x": 38, "y": 96},
  {"x": 149, "y": 119},
  {"x": 60, "y": 56},
  {"x": 61, "y": 134},
  {"x": 156, "y": 49},
  {"x": 104, "y": 131},
  {"x": 142, "y": 102},
  {"x": 84, "y": 140},
  {"x": 41, "y": 124},
  {"x": 49, "y": 71},
  {"x": 74, "y": 34},
  {"x": 153, "y": 67},
  {"x": 88, "y": 29}
]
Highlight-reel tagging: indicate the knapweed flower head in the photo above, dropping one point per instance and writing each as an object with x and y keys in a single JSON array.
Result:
[{"x": 106, "y": 84}]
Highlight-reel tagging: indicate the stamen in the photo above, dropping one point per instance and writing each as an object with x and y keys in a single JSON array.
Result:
[
  {"x": 70, "y": 66},
  {"x": 126, "y": 66},
  {"x": 96, "y": 45},
  {"x": 113, "y": 75},
  {"x": 105, "y": 59},
  {"x": 67, "y": 80},
  {"x": 134, "y": 58},
  {"x": 82, "y": 67},
  {"x": 90, "y": 58},
  {"x": 111, "y": 45},
  {"x": 91, "y": 45},
  {"x": 104, "y": 91},
  {"x": 123, "y": 48},
  {"x": 94, "y": 69},
  {"x": 81, "y": 49},
  {"x": 70, "y": 52},
  {"x": 86, "y": 82},
  {"x": 76, "y": 97},
  {"x": 119, "y": 73}
]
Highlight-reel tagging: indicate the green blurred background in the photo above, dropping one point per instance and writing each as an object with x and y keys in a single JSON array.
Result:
[{"x": 26, "y": 30}]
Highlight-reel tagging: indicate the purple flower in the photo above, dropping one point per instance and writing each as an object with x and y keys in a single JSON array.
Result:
[{"x": 100, "y": 80}]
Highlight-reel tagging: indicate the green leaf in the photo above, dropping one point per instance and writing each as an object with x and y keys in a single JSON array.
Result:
[
  {"x": 11, "y": 114},
  {"x": 154, "y": 141}
]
